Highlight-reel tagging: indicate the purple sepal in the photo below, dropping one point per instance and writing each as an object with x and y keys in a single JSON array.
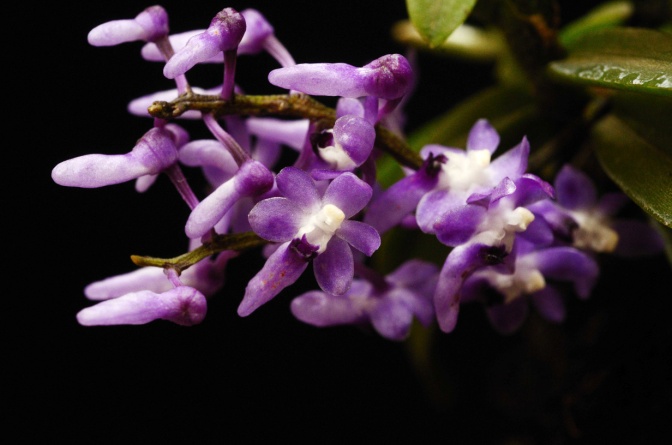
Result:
[
  {"x": 183, "y": 305},
  {"x": 224, "y": 34},
  {"x": 322, "y": 310},
  {"x": 154, "y": 152},
  {"x": 297, "y": 186},
  {"x": 568, "y": 264},
  {"x": 282, "y": 268},
  {"x": 512, "y": 163},
  {"x": 483, "y": 136},
  {"x": 458, "y": 224},
  {"x": 575, "y": 189},
  {"x": 334, "y": 268},
  {"x": 252, "y": 179},
  {"x": 150, "y": 25},
  {"x": 276, "y": 219}
]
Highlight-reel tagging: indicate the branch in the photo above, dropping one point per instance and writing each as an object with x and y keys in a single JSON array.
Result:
[
  {"x": 293, "y": 105},
  {"x": 219, "y": 243}
]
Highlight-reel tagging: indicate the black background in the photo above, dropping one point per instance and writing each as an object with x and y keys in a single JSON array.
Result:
[{"x": 603, "y": 375}]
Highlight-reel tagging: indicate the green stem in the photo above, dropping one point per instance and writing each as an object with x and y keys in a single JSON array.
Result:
[{"x": 219, "y": 243}]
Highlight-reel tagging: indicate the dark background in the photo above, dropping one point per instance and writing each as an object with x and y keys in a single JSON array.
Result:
[{"x": 602, "y": 376}]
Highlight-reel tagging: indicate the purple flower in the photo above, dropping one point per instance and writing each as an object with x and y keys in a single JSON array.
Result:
[
  {"x": 183, "y": 305},
  {"x": 583, "y": 220},
  {"x": 149, "y": 26},
  {"x": 447, "y": 178},
  {"x": 389, "y": 307},
  {"x": 483, "y": 232},
  {"x": 224, "y": 34},
  {"x": 310, "y": 226},
  {"x": 507, "y": 295},
  {"x": 153, "y": 153}
]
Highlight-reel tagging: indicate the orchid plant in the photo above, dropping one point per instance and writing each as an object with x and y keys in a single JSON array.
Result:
[{"x": 515, "y": 195}]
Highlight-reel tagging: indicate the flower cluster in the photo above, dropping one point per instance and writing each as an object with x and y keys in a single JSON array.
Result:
[{"x": 512, "y": 236}]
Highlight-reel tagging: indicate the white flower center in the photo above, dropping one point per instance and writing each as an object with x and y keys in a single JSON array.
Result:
[
  {"x": 336, "y": 156},
  {"x": 501, "y": 225},
  {"x": 466, "y": 172},
  {"x": 524, "y": 281},
  {"x": 320, "y": 226},
  {"x": 593, "y": 233}
]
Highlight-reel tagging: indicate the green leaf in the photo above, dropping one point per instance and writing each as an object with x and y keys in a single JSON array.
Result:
[
  {"x": 642, "y": 170},
  {"x": 603, "y": 16},
  {"x": 632, "y": 59},
  {"x": 435, "y": 20},
  {"x": 649, "y": 116}
]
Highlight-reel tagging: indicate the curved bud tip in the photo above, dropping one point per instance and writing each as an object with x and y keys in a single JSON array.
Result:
[
  {"x": 388, "y": 77},
  {"x": 230, "y": 25},
  {"x": 182, "y": 305},
  {"x": 224, "y": 34},
  {"x": 149, "y": 26}
]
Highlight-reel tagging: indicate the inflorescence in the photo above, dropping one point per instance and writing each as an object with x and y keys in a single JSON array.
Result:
[{"x": 513, "y": 238}]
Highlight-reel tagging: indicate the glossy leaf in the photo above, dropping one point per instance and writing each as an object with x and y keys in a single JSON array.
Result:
[
  {"x": 435, "y": 20},
  {"x": 649, "y": 116},
  {"x": 633, "y": 59},
  {"x": 642, "y": 170}
]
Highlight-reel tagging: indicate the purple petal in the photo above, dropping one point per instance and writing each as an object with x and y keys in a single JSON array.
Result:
[
  {"x": 182, "y": 305},
  {"x": 568, "y": 264},
  {"x": 538, "y": 232},
  {"x": 549, "y": 303},
  {"x": 276, "y": 219},
  {"x": 297, "y": 186},
  {"x": 348, "y": 193},
  {"x": 319, "y": 309},
  {"x": 531, "y": 189},
  {"x": 359, "y": 235},
  {"x": 483, "y": 136},
  {"x": 433, "y": 206},
  {"x": 458, "y": 224},
  {"x": 334, "y": 268},
  {"x": 507, "y": 318},
  {"x": 281, "y": 269},
  {"x": 575, "y": 190}
]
